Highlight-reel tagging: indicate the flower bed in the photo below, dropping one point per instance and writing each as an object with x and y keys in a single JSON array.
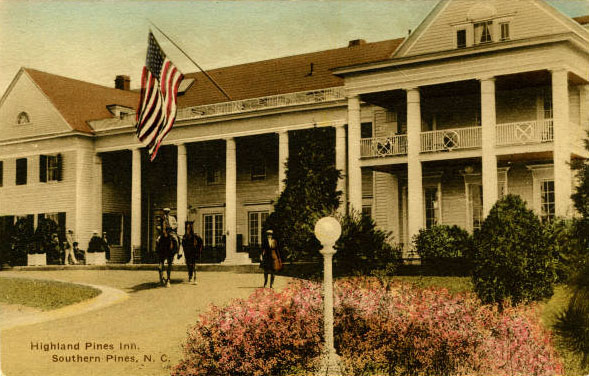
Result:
[{"x": 397, "y": 329}]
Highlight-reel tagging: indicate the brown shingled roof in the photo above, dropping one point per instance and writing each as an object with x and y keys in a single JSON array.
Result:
[
  {"x": 583, "y": 20},
  {"x": 79, "y": 101},
  {"x": 283, "y": 75}
]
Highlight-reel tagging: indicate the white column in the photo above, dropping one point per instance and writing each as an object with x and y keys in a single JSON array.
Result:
[
  {"x": 354, "y": 169},
  {"x": 562, "y": 155},
  {"x": 414, "y": 174},
  {"x": 230, "y": 200},
  {"x": 181, "y": 189},
  {"x": 489, "y": 157},
  {"x": 135, "y": 202},
  {"x": 282, "y": 158},
  {"x": 98, "y": 192},
  {"x": 340, "y": 164}
]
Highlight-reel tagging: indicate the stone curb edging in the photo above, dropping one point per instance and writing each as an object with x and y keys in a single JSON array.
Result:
[{"x": 108, "y": 296}]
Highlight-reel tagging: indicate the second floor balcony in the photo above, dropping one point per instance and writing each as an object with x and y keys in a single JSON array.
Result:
[{"x": 447, "y": 140}]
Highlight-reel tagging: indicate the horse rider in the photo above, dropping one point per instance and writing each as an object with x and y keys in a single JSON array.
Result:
[{"x": 171, "y": 225}]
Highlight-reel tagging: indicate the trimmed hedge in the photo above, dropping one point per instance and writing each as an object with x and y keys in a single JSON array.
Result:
[{"x": 444, "y": 249}]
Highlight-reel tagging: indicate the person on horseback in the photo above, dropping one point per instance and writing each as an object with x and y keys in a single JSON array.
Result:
[{"x": 170, "y": 224}]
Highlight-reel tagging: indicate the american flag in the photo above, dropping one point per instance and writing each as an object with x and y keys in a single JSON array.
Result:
[{"x": 157, "y": 106}]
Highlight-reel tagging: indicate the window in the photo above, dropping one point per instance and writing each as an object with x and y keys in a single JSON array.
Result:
[
  {"x": 256, "y": 222},
  {"x": 367, "y": 210},
  {"x": 50, "y": 168},
  {"x": 21, "y": 171},
  {"x": 547, "y": 200},
  {"x": 504, "y": 26},
  {"x": 258, "y": 171},
  {"x": 482, "y": 32},
  {"x": 1, "y": 173},
  {"x": 547, "y": 94},
  {"x": 461, "y": 38},
  {"x": 366, "y": 130},
  {"x": 431, "y": 206},
  {"x": 213, "y": 229},
  {"x": 112, "y": 224},
  {"x": 23, "y": 118},
  {"x": 475, "y": 205},
  {"x": 213, "y": 175}
]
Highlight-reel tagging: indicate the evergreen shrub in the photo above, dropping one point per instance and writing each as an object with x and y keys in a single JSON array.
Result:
[
  {"x": 443, "y": 249},
  {"x": 513, "y": 258}
]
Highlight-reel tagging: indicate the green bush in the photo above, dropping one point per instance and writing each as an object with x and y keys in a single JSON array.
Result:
[
  {"x": 512, "y": 256},
  {"x": 442, "y": 247},
  {"x": 363, "y": 248},
  {"x": 565, "y": 238}
]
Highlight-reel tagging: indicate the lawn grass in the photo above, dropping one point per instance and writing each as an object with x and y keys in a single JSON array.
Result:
[
  {"x": 44, "y": 295},
  {"x": 452, "y": 284}
]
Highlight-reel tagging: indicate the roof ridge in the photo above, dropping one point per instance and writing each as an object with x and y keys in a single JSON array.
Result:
[{"x": 69, "y": 78}]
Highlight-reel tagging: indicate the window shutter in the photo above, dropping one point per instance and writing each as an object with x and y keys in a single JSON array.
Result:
[
  {"x": 59, "y": 167},
  {"x": 43, "y": 168},
  {"x": 61, "y": 224}
]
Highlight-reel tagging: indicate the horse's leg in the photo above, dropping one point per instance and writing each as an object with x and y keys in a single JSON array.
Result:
[
  {"x": 160, "y": 269},
  {"x": 169, "y": 270}
]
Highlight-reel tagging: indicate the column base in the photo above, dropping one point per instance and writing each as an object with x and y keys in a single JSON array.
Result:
[
  {"x": 239, "y": 258},
  {"x": 331, "y": 364}
]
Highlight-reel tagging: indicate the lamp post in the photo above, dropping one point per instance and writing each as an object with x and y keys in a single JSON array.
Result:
[{"x": 327, "y": 231}]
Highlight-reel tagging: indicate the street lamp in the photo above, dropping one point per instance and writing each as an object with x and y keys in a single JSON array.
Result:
[{"x": 327, "y": 231}]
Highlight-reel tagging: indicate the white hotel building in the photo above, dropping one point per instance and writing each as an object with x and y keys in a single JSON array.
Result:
[{"x": 482, "y": 99}]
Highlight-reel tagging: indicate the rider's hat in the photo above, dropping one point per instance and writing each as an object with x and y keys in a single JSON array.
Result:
[
  {"x": 269, "y": 232},
  {"x": 166, "y": 210}
]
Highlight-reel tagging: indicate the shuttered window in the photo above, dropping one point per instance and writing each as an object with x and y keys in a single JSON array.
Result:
[{"x": 1, "y": 173}]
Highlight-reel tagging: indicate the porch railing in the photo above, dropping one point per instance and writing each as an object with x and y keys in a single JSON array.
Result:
[
  {"x": 525, "y": 132},
  {"x": 451, "y": 139},
  {"x": 273, "y": 101},
  {"x": 383, "y": 146}
]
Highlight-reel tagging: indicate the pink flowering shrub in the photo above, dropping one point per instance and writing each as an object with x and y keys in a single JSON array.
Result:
[{"x": 393, "y": 329}]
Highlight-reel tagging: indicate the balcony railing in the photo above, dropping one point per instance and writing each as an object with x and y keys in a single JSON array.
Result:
[
  {"x": 451, "y": 139},
  {"x": 384, "y": 146},
  {"x": 262, "y": 103},
  {"x": 525, "y": 132}
]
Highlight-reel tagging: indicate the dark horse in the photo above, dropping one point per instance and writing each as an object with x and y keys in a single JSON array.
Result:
[{"x": 166, "y": 248}]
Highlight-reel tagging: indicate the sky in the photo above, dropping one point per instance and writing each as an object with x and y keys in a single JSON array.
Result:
[{"x": 95, "y": 40}]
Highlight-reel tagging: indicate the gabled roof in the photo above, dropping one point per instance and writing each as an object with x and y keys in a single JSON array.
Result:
[
  {"x": 283, "y": 75},
  {"x": 582, "y": 20},
  {"x": 80, "y": 101}
]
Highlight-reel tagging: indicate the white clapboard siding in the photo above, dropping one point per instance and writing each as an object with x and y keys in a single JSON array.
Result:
[
  {"x": 528, "y": 20},
  {"x": 25, "y": 96},
  {"x": 386, "y": 203},
  {"x": 454, "y": 201},
  {"x": 520, "y": 182}
]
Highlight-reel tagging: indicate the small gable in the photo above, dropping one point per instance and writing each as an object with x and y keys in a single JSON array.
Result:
[
  {"x": 26, "y": 112},
  {"x": 457, "y": 24}
]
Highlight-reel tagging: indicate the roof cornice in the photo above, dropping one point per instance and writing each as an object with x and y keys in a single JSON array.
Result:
[{"x": 466, "y": 52}]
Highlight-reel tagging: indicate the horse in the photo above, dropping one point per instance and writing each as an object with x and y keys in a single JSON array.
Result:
[{"x": 166, "y": 248}]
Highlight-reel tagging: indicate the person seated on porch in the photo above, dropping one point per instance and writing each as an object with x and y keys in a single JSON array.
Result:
[{"x": 96, "y": 243}]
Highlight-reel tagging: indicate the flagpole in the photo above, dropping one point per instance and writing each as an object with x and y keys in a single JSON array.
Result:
[{"x": 193, "y": 62}]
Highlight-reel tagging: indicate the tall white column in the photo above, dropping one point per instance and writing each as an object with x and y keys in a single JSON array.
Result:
[
  {"x": 98, "y": 191},
  {"x": 489, "y": 159},
  {"x": 282, "y": 158},
  {"x": 340, "y": 164},
  {"x": 135, "y": 202},
  {"x": 354, "y": 169},
  {"x": 230, "y": 200},
  {"x": 562, "y": 154},
  {"x": 414, "y": 173},
  {"x": 181, "y": 189}
]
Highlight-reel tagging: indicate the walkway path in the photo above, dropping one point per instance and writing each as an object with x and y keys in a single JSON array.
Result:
[{"x": 139, "y": 336}]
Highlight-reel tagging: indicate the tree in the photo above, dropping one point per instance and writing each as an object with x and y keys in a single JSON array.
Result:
[{"x": 310, "y": 192}]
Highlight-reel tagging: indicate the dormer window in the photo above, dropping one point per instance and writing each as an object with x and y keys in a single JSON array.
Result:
[
  {"x": 23, "y": 118},
  {"x": 504, "y": 27},
  {"x": 483, "y": 32}
]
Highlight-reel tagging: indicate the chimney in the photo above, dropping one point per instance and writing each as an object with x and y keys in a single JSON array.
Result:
[
  {"x": 123, "y": 82},
  {"x": 356, "y": 42}
]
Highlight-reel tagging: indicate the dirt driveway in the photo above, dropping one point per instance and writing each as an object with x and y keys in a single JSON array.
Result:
[{"x": 139, "y": 336}]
